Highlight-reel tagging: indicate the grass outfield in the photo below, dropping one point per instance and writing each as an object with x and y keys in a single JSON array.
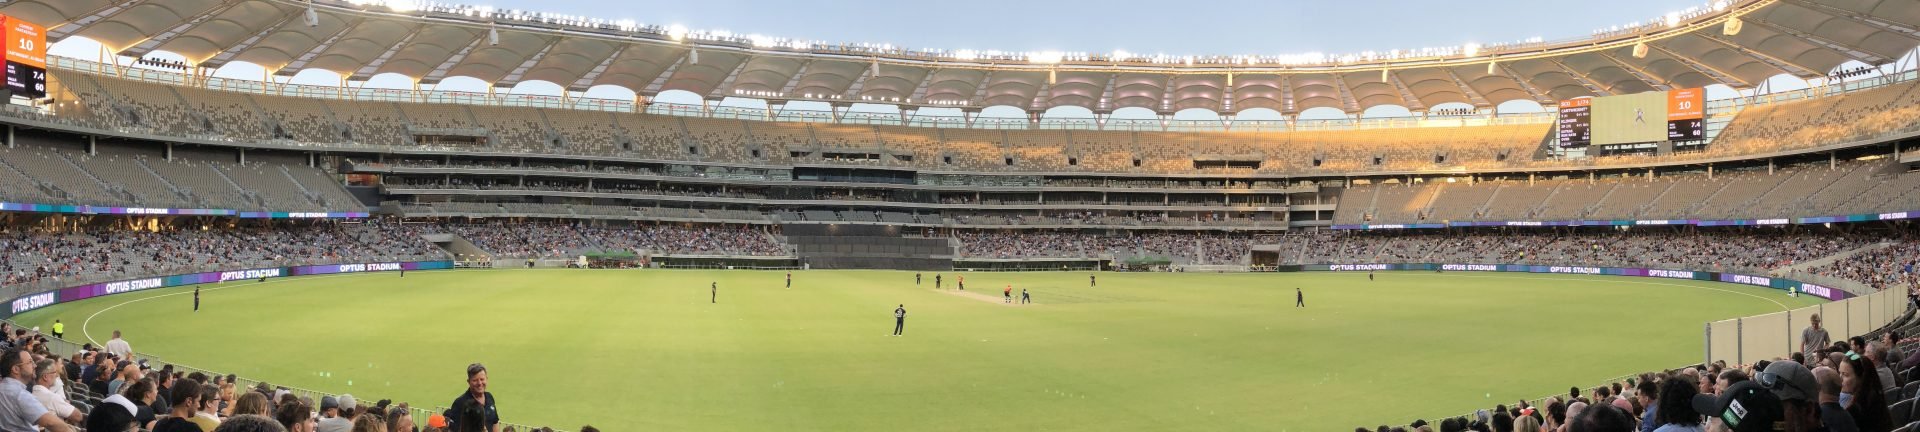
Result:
[{"x": 643, "y": 350}]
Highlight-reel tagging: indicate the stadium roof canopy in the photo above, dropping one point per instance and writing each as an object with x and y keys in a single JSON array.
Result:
[{"x": 362, "y": 38}]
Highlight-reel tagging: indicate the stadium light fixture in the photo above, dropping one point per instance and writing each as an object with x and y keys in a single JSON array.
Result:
[
  {"x": 1471, "y": 49},
  {"x": 313, "y": 18},
  {"x": 1732, "y": 26},
  {"x": 493, "y": 36},
  {"x": 1640, "y": 50}
]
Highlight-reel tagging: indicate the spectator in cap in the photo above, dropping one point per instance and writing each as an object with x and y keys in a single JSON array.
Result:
[
  {"x": 349, "y": 408},
  {"x": 1742, "y": 407},
  {"x": 330, "y": 420},
  {"x": 295, "y": 416},
  {"x": 249, "y": 423},
  {"x": 115, "y": 413},
  {"x": 1794, "y": 385},
  {"x": 1833, "y": 416},
  {"x": 1676, "y": 407}
]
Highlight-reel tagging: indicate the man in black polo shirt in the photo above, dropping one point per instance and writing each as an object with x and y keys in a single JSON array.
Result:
[
  {"x": 716, "y": 293},
  {"x": 476, "y": 395}
]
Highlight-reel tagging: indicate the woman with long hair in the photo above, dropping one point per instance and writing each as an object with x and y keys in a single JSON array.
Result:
[
  {"x": 1676, "y": 407},
  {"x": 1861, "y": 383}
]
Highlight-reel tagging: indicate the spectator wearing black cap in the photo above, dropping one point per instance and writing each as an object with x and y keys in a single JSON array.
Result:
[
  {"x": 330, "y": 420},
  {"x": 1744, "y": 406}
]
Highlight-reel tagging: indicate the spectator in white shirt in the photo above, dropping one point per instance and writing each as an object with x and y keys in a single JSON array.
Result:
[
  {"x": 119, "y": 347},
  {"x": 46, "y": 377}
]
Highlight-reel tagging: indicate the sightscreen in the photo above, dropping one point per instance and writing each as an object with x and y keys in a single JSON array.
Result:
[{"x": 1634, "y": 118}]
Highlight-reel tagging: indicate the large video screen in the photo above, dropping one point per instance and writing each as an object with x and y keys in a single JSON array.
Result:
[
  {"x": 1686, "y": 114},
  {"x": 1576, "y": 127},
  {"x": 25, "y": 56},
  {"x": 26, "y": 53},
  {"x": 1634, "y": 118}
]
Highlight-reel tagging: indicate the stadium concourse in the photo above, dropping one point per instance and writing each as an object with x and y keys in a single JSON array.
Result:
[{"x": 124, "y": 172}]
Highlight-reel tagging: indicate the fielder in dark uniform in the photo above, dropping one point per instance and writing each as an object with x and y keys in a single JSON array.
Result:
[
  {"x": 899, "y": 320},
  {"x": 1369, "y": 276},
  {"x": 789, "y": 279},
  {"x": 716, "y": 293},
  {"x": 1024, "y": 298},
  {"x": 916, "y": 279},
  {"x": 1091, "y": 282},
  {"x": 936, "y": 281},
  {"x": 1299, "y": 298},
  {"x": 196, "y": 299}
]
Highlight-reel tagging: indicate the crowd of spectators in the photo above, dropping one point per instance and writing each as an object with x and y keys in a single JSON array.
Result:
[
  {"x": 566, "y": 240},
  {"x": 1850, "y": 385},
  {"x": 1758, "y": 251},
  {"x": 689, "y": 240},
  {"x": 111, "y": 388},
  {"x": 40, "y": 257},
  {"x": 1892, "y": 266},
  {"x": 1186, "y": 247}
]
